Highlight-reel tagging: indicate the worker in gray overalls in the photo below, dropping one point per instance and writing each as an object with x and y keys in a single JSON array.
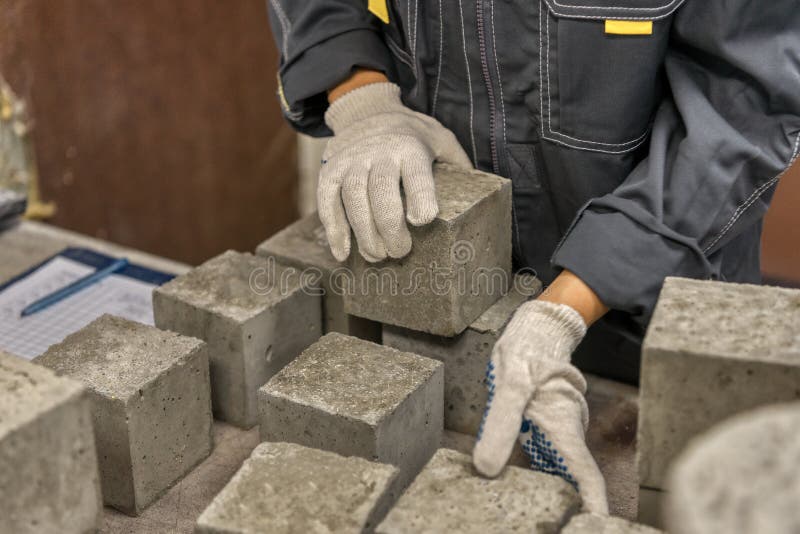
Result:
[{"x": 643, "y": 138}]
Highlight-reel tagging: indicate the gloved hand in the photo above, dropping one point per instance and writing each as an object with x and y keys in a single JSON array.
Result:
[
  {"x": 377, "y": 142},
  {"x": 537, "y": 397}
]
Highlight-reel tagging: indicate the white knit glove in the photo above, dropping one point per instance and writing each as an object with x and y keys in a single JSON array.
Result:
[
  {"x": 536, "y": 396},
  {"x": 377, "y": 143}
]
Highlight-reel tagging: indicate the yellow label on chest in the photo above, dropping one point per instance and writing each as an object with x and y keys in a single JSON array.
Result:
[
  {"x": 628, "y": 27},
  {"x": 379, "y": 9}
]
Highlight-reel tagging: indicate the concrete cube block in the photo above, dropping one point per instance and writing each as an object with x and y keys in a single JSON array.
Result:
[
  {"x": 448, "y": 496},
  {"x": 739, "y": 477},
  {"x": 49, "y": 480},
  {"x": 465, "y": 355},
  {"x": 357, "y": 398},
  {"x": 712, "y": 349},
  {"x": 603, "y": 524},
  {"x": 255, "y": 316},
  {"x": 459, "y": 264},
  {"x": 151, "y": 404},
  {"x": 288, "y": 488},
  {"x": 304, "y": 246}
]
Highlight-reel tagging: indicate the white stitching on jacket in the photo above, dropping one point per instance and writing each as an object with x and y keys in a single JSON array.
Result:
[
  {"x": 619, "y": 7},
  {"x": 408, "y": 19},
  {"x": 634, "y": 143},
  {"x": 439, "y": 66},
  {"x": 286, "y": 25},
  {"x": 541, "y": 88},
  {"x": 469, "y": 82},
  {"x": 499, "y": 76},
  {"x": 616, "y": 17},
  {"x": 414, "y": 28},
  {"x": 755, "y": 195}
]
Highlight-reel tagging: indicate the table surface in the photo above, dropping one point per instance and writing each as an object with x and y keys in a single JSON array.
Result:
[{"x": 29, "y": 243}]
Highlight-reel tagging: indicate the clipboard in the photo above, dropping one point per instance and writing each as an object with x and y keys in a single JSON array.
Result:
[{"x": 127, "y": 293}]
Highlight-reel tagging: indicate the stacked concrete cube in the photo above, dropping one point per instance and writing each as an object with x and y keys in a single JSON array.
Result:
[
  {"x": 448, "y": 496},
  {"x": 287, "y": 488},
  {"x": 466, "y": 355},
  {"x": 150, "y": 403},
  {"x": 48, "y": 464},
  {"x": 303, "y": 246},
  {"x": 459, "y": 264},
  {"x": 741, "y": 476},
  {"x": 255, "y": 315},
  {"x": 712, "y": 349},
  {"x": 356, "y": 398}
]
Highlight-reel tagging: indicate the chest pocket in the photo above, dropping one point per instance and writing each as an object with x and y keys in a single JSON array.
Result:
[{"x": 601, "y": 81}]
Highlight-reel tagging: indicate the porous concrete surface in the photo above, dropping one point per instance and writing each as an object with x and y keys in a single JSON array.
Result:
[
  {"x": 466, "y": 355},
  {"x": 712, "y": 349},
  {"x": 357, "y": 398},
  {"x": 303, "y": 245},
  {"x": 254, "y": 316},
  {"x": 459, "y": 264},
  {"x": 600, "y": 524},
  {"x": 288, "y": 488},
  {"x": 449, "y": 496},
  {"x": 741, "y": 476},
  {"x": 611, "y": 439},
  {"x": 150, "y": 403},
  {"x": 49, "y": 480},
  {"x": 176, "y": 511}
]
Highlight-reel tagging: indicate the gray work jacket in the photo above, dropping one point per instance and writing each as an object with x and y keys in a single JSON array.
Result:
[{"x": 633, "y": 155}]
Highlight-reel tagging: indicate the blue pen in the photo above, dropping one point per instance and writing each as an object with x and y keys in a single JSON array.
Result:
[{"x": 74, "y": 287}]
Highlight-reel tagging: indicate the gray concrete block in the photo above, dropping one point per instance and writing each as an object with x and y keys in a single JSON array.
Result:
[
  {"x": 288, "y": 488},
  {"x": 602, "y": 524},
  {"x": 740, "y": 477},
  {"x": 49, "y": 480},
  {"x": 459, "y": 264},
  {"x": 357, "y": 398},
  {"x": 151, "y": 404},
  {"x": 255, "y": 316},
  {"x": 712, "y": 349},
  {"x": 465, "y": 355},
  {"x": 304, "y": 246},
  {"x": 611, "y": 440},
  {"x": 448, "y": 496}
]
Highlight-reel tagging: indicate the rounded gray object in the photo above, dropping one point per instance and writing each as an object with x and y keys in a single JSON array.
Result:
[{"x": 742, "y": 476}]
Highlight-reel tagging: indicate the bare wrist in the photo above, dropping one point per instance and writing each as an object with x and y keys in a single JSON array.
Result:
[
  {"x": 568, "y": 289},
  {"x": 359, "y": 78}
]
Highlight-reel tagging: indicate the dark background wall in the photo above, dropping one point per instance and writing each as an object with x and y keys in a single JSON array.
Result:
[{"x": 156, "y": 123}]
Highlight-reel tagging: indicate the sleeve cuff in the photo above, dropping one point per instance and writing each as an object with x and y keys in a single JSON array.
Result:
[
  {"x": 303, "y": 83},
  {"x": 624, "y": 254}
]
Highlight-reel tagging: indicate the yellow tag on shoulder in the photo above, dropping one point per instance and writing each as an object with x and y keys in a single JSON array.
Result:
[
  {"x": 379, "y": 9},
  {"x": 628, "y": 27}
]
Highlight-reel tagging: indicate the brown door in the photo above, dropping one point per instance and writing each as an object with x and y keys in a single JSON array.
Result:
[{"x": 156, "y": 121}]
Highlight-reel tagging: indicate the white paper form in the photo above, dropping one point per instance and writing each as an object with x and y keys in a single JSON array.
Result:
[{"x": 30, "y": 336}]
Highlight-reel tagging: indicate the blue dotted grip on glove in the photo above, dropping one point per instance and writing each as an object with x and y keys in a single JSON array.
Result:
[
  {"x": 489, "y": 381},
  {"x": 542, "y": 454}
]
